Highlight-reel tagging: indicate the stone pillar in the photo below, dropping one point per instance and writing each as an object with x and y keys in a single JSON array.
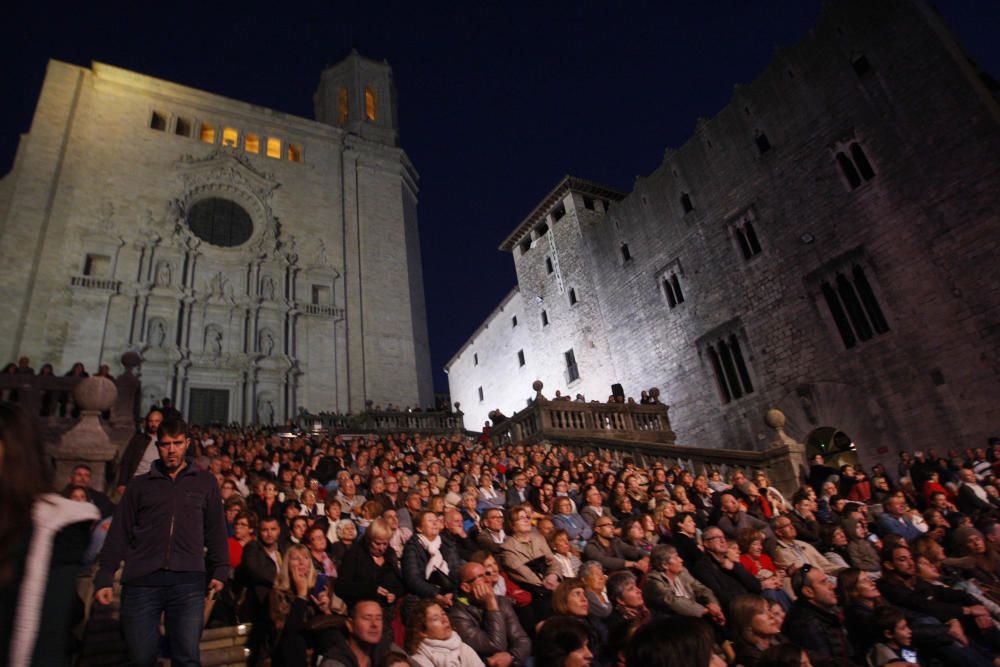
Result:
[
  {"x": 88, "y": 441},
  {"x": 125, "y": 411},
  {"x": 786, "y": 458}
]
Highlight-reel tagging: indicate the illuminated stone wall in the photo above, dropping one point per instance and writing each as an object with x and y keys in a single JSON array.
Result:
[
  {"x": 921, "y": 230},
  {"x": 97, "y": 256}
]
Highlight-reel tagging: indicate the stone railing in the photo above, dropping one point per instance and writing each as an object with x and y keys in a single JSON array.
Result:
[
  {"x": 91, "y": 282},
  {"x": 322, "y": 311},
  {"x": 383, "y": 422},
  {"x": 547, "y": 419},
  {"x": 80, "y": 420}
]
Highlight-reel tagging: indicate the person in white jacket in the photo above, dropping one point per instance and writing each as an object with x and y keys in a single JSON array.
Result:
[{"x": 431, "y": 641}]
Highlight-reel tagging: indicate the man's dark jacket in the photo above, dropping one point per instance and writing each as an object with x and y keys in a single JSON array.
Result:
[
  {"x": 167, "y": 524},
  {"x": 490, "y": 632},
  {"x": 820, "y": 632},
  {"x": 415, "y": 559},
  {"x": 613, "y": 556},
  {"x": 359, "y": 577},
  {"x": 726, "y": 584},
  {"x": 941, "y": 602}
]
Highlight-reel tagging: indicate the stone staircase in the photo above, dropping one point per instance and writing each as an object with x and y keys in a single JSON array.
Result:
[{"x": 103, "y": 645}]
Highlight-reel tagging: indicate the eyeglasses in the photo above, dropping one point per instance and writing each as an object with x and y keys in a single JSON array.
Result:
[{"x": 603, "y": 525}]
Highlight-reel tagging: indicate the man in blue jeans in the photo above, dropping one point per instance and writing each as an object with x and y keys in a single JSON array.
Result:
[{"x": 170, "y": 530}]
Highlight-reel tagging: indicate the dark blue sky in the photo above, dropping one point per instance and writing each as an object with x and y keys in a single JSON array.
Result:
[{"x": 498, "y": 100}]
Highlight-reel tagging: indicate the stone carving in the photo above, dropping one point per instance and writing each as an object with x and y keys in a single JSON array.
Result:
[
  {"x": 217, "y": 286},
  {"x": 321, "y": 258},
  {"x": 265, "y": 410},
  {"x": 267, "y": 288},
  {"x": 213, "y": 341},
  {"x": 164, "y": 274},
  {"x": 266, "y": 343},
  {"x": 290, "y": 251},
  {"x": 157, "y": 333}
]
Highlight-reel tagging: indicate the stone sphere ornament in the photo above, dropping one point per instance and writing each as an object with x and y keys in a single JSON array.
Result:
[{"x": 95, "y": 393}]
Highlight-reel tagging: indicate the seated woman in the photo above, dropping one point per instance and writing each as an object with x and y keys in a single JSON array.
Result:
[
  {"x": 526, "y": 556},
  {"x": 685, "y": 537},
  {"x": 759, "y": 564},
  {"x": 863, "y": 551},
  {"x": 595, "y": 581},
  {"x": 294, "y": 602},
  {"x": 319, "y": 549},
  {"x": 672, "y": 642},
  {"x": 347, "y": 533},
  {"x": 566, "y": 519},
  {"x": 563, "y": 641},
  {"x": 754, "y": 628},
  {"x": 835, "y": 545},
  {"x": 430, "y": 565},
  {"x": 370, "y": 570},
  {"x": 633, "y": 534},
  {"x": 562, "y": 551},
  {"x": 431, "y": 642},
  {"x": 626, "y": 599},
  {"x": 244, "y": 528},
  {"x": 570, "y": 599}
]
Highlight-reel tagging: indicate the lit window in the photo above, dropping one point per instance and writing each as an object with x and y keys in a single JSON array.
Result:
[
  {"x": 207, "y": 133},
  {"x": 274, "y": 147},
  {"x": 342, "y": 110},
  {"x": 230, "y": 137},
  {"x": 294, "y": 153},
  {"x": 158, "y": 121},
  {"x": 183, "y": 127},
  {"x": 369, "y": 104},
  {"x": 251, "y": 143}
]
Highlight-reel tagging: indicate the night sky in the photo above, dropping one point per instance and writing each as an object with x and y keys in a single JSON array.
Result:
[{"x": 498, "y": 100}]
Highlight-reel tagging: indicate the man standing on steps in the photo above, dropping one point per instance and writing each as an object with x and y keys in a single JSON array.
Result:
[{"x": 170, "y": 530}]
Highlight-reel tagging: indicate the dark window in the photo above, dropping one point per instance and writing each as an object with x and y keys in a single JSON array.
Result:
[
  {"x": 732, "y": 377},
  {"x": 475, "y": 359},
  {"x": 548, "y": 265},
  {"x": 861, "y": 65},
  {"x": 520, "y": 357},
  {"x": 572, "y": 371},
  {"x": 480, "y": 394},
  {"x": 98, "y": 266},
  {"x": 588, "y": 203},
  {"x": 558, "y": 212},
  {"x": 525, "y": 245},
  {"x": 513, "y": 321},
  {"x": 572, "y": 296},
  {"x": 541, "y": 230},
  {"x": 861, "y": 161},
  {"x": 158, "y": 121},
  {"x": 321, "y": 295},
  {"x": 626, "y": 255},
  {"x": 686, "y": 203},
  {"x": 746, "y": 237},
  {"x": 183, "y": 127},
  {"x": 855, "y": 165},
  {"x": 545, "y": 319},
  {"x": 220, "y": 222},
  {"x": 763, "y": 145},
  {"x": 854, "y": 307},
  {"x": 672, "y": 290}
]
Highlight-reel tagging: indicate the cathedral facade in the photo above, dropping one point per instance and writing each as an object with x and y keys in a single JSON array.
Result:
[
  {"x": 826, "y": 245},
  {"x": 261, "y": 263}
]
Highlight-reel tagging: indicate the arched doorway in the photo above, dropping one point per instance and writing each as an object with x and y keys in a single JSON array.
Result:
[{"x": 837, "y": 447}]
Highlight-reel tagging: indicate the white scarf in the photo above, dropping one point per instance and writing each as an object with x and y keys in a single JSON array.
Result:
[
  {"x": 436, "y": 560},
  {"x": 451, "y": 652}
]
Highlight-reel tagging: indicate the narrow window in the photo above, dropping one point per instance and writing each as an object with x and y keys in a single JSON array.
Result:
[
  {"x": 545, "y": 319},
  {"x": 475, "y": 359},
  {"x": 572, "y": 296},
  {"x": 668, "y": 290},
  {"x": 746, "y": 238},
  {"x": 726, "y": 357},
  {"x": 588, "y": 203},
  {"x": 520, "y": 357},
  {"x": 741, "y": 238},
  {"x": 321, "y": 295},
  {"x": 98, "y": 266},
  {"x": 861, "y": 65},
  {"x": 686, "y": 203},
  {"x": 572, "y": 371},
  {"x": 839, "y": 316},
  {"x": 732, "y": 375},
  {"x": 763, "y": 145},
  {"x": 867, "y": 296},
  {"x": 480, "y": 394},
  {"x": 274, "y": 147},
  {"x": 294, "y": 153},
  {"x": 251, "y": 143},
  {"x": 183, "y": 127},
  {"x": 861, "y": 162},
  {"x": 158, "y": 121},
  {"x": 752, "y": 242},
  {"x": 853, "y": 307},
  {"x": 720, "y": 377},
  {"x": 741, "y": 367},
  {"x": 847, "y": 168},
  {"x": 548, "y": 265},
  {"x": 513, "y": 322},
  {"x": 207, "y": 133},
  {"x": 342, "y": 109},
  {"x": 230, "y": 137},
  {"x": 676, "y": 284},
  {"x": 626, "y": 255},
  {"x": 526, "y": 245},
  {"x": 370, "y": 104},
  {"x": 558, "y": 212}
]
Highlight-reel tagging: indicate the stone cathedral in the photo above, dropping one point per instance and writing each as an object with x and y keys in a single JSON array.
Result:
[{"x": 260, "y": 263}]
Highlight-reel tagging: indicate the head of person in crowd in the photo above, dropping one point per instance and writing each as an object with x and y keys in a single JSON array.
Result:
[
  {"x": 855, "y": 586},
  {"x": 684, "y": 524},
  {"x": 377, "y": 538},
  {"x": 428, "y": 524},
  {"x": 519, "y": 520},
  {"x": 298, "y": 528},
  {"x": 784, "y": 655},
  {"x": 563, "y": 642},
  {"x": 76, "y": 492},
  {"x": 626, "y": 596},
  {"x": 347, "y": 531},
  {"x": 814, "y": 586},
  {"x": 268, "y": 532},
  {"x": 752, "y": 622},
  {"x": 570, "y": 598},
  {"x": 426, "y": 620},
  {"x": 892, "y": 628},
  {"x": 296, "y": 576},
  {"x": 364, "y": 624},
  {"x": 559, "y": 543},
  {"x": 715, "y": 542},
  {"x": 897, "y": 560},
  {"x": 673, "y": 642}
]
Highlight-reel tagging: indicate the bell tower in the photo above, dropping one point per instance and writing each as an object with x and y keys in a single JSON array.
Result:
[{"x": 358, "y": 95}]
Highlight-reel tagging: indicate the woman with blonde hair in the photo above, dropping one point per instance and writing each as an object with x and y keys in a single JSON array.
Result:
[
  {"x": 431, "y": 641},
  {"x": 294, "y": 602}
]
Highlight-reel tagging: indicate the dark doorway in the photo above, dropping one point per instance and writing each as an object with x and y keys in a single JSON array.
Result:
[
  {"x": 837, "y": 447},
  {"x": 208, "y": 406}
]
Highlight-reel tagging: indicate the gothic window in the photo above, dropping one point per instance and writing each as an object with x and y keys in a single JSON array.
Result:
[
  {"x": 686, "y": 204},
  {"x": 548, "y": 265},
  {"x": 220, "y": 222},
  {"x": 274, "y": 147},
  {"x": 626, "y": 253},
  {"x": 475, "y": 359},
  {"x": 513, "y": 321},
  {"x": 744, "y": 229},
  {"x": 520, "y": 357},
  {"x": 230, "y": 137},
  {"x": 854, "y": 165},
  {"x": 572, "y": 296},
  {"x": 158, "y": 121},
  {"x": 672, "y": 289},
  {"x": 480, "y": 394},
  {"x": 572, "y": 370},
  {"x": 853, "y": 306},
  {"x": 343, "y": 112},
  {"x": 545, "y": 319},
  {"x": 207, "y": 133},
  {"x": 369, "y": 104},
  {"x": 732, "y": 376},
  {"x": 251, "y": 143},
  {"x": 183, "y": 127}
]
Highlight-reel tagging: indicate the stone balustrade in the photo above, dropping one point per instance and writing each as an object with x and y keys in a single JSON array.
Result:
[{"x": 437, "y": 422}]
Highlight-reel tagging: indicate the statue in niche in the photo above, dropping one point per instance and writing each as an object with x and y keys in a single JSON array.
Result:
[
  {"x": 290, "y": 249},
  {"x": 265, "y": 411},
  {"x": 157, "y": 334},
  {"x": 176, "y": 210},
  {"x": 321, "y": 257},
  {"x": 266, "y": 343},
  {"x": 163, "y": 274},
  {"x": 213, "y": 342},
  {"x": 217, "y": 285},
  {"x": 267, "y": 288}
]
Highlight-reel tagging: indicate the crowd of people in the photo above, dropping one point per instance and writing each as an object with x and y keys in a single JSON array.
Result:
[{"x": 440, "y": 551}]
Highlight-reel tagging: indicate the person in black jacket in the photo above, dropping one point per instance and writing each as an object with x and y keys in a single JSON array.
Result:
[
  {"x": 170, "y": 531},
  {"x": 370, "y": 570},
  {"x": 139, "y": 451},
  {"x": 256, "y": 575},
  {"x": 814, "y": 622},
  {"x": 726, "y": 578},
  {"x": 487, "y": 622},
  {"x": 430, "y": 565}
]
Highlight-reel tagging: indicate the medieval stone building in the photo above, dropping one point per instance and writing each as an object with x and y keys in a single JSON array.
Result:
[
  {"x": 826, "y": 244},
  {"x": 261, "y": 263}
]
